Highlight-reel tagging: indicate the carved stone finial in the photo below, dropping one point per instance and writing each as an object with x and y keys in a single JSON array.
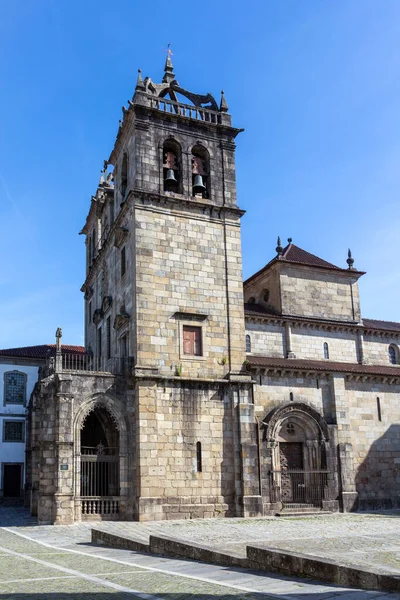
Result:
[
  {"x": 350, "y": 260},
  {"x": 169, "y": 67},
  {"x": 289, "y": 240},
  {"x": 279, "y": 248},
  {"x": 223, "y": 107},
  {"x": 58, "y": 339},
  {"x": 139, "y": 83}
]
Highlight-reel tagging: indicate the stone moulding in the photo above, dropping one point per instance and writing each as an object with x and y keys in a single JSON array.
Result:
[
  {"x": 106, "y": 304},
  {"x": 97, "y": 316},
  {"x": 120, "y": 320}
]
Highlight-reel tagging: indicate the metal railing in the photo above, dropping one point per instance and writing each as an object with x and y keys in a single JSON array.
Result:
[
  {"x": 295, "y": 486},
  {"x": 84, "y": 362},
  {"x": 99, "y": 475},
  {"x": 186, "y": 110}
]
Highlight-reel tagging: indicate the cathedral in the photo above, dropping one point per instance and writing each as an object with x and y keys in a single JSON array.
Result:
[{"x": 198, "y": 395}]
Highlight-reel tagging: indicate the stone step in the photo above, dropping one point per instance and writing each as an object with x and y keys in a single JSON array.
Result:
[{"x": 304, "y": 513}]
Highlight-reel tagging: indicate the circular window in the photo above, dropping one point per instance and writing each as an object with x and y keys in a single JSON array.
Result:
[{"x": 251, "y": 300}]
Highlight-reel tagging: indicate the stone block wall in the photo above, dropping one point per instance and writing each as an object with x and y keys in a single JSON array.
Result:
[
  {"x": 174, "y": 418},
  {"x": 273, "y": 390},
  {"x": 182, "y": 261},
  {"x": 376, "y": 348},
  {"x": 309, "y": 344},
  {"x": 376, "y": 443},
  {"x": 265, "y": 290},
  {"x": 267, "y": 339},
  {"x": 311, "y": 293}
]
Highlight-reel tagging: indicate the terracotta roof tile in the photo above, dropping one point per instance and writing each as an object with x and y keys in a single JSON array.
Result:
[
  {"x": 386, "y": 325},
  {"x": 326, "y": 366},
  {"x": 41, "y": 352},
  {"x": 293, "y": 253}
]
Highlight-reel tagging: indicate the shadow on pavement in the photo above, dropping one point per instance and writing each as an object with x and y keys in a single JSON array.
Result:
[{"x": 15, "y": 515}]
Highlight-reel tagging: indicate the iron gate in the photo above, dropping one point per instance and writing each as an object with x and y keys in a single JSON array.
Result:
[
  {"x": 99, "y": 480},
  {"x": 295, "y": 486}
]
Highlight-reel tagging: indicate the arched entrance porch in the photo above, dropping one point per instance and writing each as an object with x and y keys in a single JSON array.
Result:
[
  {"x": 297, "y": 459},
  {"x": 99, "y": 455}
]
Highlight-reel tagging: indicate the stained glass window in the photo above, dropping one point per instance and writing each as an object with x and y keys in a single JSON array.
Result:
[{"x": 14, "y": 388}]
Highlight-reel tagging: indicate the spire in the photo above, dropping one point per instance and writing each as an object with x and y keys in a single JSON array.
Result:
[
  {"x": 169, "y": 67},
  {"x": 139, "y": 82},
  {"x": 223, "y": 107},
  {"x": 279, "y": 248},
  {"x": 350, "y": 260}
]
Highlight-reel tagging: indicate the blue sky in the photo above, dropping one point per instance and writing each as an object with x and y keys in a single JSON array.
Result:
[{"x": 315, "y": 84}]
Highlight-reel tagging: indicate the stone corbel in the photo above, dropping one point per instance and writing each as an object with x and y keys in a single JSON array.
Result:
[
  {"x": 120, "y": 236},
  {"x": 97, "y": 316}
]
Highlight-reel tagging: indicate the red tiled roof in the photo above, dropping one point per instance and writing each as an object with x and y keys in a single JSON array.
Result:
[
  {"x": 386, "y": 325},
  {"x": 319, "y": 365},
  {"x": 293, "y": 254},
  {"x": 41, "y": 352}
]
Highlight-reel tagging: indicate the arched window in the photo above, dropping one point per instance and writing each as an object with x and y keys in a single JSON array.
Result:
[
  {"x": 393, "y": 354},
  {"x": 378, "y": 406},
  {"x": 172, "y": 167},
  {"x": 14, "y": 387},
  {"x": 200, "y": 172},
  {"x": 199, "y": 457},
  {"x": 326, "y": 350},
  {"x": 124, "y": 176},
  {"x": 291, "y": 396},
  {"x": 248, "y": 343}
]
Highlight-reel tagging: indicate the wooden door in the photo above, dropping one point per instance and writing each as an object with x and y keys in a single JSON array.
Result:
[
  {"x": 12, "y": 480},
  {"x": 291, "y": 459}
]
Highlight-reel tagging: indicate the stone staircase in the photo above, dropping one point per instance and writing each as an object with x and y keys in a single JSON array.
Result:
[{"x": 294, "y": 509}]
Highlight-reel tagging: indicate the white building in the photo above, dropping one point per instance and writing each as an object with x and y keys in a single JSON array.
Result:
[{"x": 19, "y": 369}]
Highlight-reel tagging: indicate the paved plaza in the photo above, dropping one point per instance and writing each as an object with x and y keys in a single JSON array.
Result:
[{"x": 59, "y": 563}]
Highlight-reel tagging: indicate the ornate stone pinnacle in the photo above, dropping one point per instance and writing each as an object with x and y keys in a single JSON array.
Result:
[
  {"x": 279, "y": 248},
  {"x": 350, "y": 260},
  {"x": 139, "y": 82},
  {"x": 223, "y": 107},
  {"x": 169, "y": 67},
  {"x": 289, "y": 240}
]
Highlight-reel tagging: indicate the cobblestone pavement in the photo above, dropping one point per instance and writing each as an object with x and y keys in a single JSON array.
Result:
[
  {"x": 369, "y": 540},
  {"x": 59, "y": 563}
]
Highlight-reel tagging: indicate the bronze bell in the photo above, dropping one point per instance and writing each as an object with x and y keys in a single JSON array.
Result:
[
  {"x": 170, "y": 176},
  {"x": 198, "y": 186}
]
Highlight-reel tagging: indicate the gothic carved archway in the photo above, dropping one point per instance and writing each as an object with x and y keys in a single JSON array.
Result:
[
  {"x": 295, "y": 454},
  {"x": 100, "y": 449}
]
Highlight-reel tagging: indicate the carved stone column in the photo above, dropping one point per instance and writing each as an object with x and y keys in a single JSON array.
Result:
[{"x": 288, "y": 338}]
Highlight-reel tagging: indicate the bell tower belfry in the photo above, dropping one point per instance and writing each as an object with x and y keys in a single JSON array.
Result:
[
  {"x": 168, "y": 270},
  {"x": 174, "y": 177}
]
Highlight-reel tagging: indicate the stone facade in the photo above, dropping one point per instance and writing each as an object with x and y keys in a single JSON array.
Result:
[{"x": 189, "y": 402}]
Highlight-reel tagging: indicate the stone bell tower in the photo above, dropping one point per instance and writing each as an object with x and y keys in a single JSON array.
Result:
[{"x": 171, "y": 281}]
